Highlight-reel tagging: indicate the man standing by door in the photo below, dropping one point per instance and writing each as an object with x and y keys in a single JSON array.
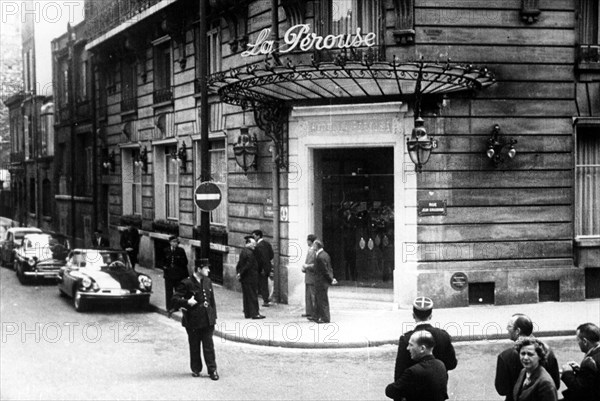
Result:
[
  {"x": 175, "y": 266},
  {"x": 247, "y": 274},
  {"x": 308, "y": 268},
  {"x": 323, "y": 279},
  {"x": 130, "y": 241},
  {"x": 264, "y": 256}
]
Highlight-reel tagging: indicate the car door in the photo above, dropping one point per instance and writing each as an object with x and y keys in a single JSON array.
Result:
[{"x": 68, "y": 279}]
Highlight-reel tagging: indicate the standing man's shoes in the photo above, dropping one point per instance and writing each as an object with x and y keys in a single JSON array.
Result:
[
  {"x": 214, "y": 376},
  {"x": 320, "y": 321},
  {"x": 196, "y": 374},
  {"x": 305, "y": 315},
  {"x": 312, "y": 319},
  {"x": 266, "y": 304},
  {"x": 258, "y": 317}
]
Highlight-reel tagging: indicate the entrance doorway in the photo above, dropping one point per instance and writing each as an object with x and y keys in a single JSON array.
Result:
[{"x": 356, "y": 188}]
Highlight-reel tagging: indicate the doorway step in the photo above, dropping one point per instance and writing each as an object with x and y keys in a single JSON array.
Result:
[{"x": 361, "y": 298}]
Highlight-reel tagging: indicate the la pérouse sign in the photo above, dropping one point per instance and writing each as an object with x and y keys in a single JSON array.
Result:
[{"x": 300, "y": 37}]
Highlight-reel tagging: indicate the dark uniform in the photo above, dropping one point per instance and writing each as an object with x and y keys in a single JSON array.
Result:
[
  {"x": 175, "y": 268},
  {"x": 130, "y": 238},
  {"x": 247, "y": 268},
  {"x": 309, "y": 281},
  {"x": 426, "y": 380},
  {"x": 199, "y": 320},
  {"x": 509, "y": 367},
  {"x": 264, "y": 255},
  {"x": 99, "y": 241}
]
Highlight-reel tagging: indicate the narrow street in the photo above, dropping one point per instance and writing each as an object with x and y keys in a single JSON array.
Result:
[{"x": 49, "y": 351}]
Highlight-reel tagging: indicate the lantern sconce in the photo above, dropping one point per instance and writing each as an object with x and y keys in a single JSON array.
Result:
[
  {"x": 179, "y": 156},
  {"x": 499, "y": 147},
  {"x": 420, "y": 145},
  {"x": 109, "y": 162},
  {"x": 530, "y": 11},
  {"x": 246, "y": 150},
  {"x": 142, "y": 159}
]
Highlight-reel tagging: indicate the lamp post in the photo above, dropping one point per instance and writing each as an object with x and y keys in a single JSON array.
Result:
[{"x": 202, "y": 60}]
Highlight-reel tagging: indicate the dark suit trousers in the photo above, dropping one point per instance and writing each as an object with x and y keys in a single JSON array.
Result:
[
  {"x": 322, "y": 303},
  {"x": 250, "y": 299},
  {"x": 204, "y": 337},
  {"x": 309, "y": 299},
  {"x": 263, "y": 287},
  {"x": 170, "y": 285}
]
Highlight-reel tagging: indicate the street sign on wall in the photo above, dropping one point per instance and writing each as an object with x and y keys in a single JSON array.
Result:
[{"x": 207, "y": 196}]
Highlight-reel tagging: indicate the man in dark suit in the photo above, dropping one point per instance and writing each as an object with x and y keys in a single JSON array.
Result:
[
  {"x": 264, "y": 256},
  {"x": 175, "y": 266},
  {"x": 99, "y": 241},
  {"x": 583, "y": 381},
  {"x": 444, "y": 350},
  {"x": 308, "y": 268},
  {"x": 427, "y": 379},
  {"x": 130, "y": 241},
  {"x": 195, "y": 295},
  {"x": 323, "y": 279},
  {"x": 247, "y": 274},
  {"x": 508, "y": 365}
]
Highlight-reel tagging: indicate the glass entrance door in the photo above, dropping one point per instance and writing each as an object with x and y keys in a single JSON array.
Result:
[{"x": 357, "y": 193}]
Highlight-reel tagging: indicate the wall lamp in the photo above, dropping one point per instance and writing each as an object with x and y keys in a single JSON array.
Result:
[
  {"x": 420, "y": 145},
  {"x": 109, "y": 162},
  {"x": 498, "y": 147},
  {"x": 180, "y": 157},
  {"x": 142, "y": 159},
  {"x": 246, "y": 150}
]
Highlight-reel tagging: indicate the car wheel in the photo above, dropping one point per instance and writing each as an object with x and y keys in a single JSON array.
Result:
[
  {"x": 20, "y": 275},
  {"x": 61, "y": 293},
  {"x": 78, "y": 302}
]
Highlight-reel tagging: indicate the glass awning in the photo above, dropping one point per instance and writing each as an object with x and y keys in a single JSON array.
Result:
[{"x": 330, "y": 80}]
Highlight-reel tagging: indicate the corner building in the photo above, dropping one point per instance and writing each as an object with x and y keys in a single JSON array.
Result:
[{"x": 315, "y": 127}]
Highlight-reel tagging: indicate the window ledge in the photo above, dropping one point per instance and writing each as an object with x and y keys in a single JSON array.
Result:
[
  {"x": 587, "y": 241},
  {"x": 128, "y": 113},
  {"x": 162, "y": 104}
]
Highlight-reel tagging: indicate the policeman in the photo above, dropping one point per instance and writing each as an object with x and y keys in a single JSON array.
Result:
[
  {"x": 443, "y": 350},
  {"x": 196, "y": 298}
]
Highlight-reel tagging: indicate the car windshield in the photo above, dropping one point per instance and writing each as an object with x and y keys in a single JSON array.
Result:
[
  {"x": 102, "y": 260},
  {"x": 47, "y": 246},
  {"x": 20, "y": 234}
]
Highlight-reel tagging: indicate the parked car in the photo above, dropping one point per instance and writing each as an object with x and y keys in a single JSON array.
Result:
[
  {"x": 102, "y": 275},
  {"x": 41, "y": 255},
  {"x": 11, "y": 241}
]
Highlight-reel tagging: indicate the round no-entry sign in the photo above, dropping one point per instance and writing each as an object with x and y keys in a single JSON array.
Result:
[{"x": 207, "y": 196}]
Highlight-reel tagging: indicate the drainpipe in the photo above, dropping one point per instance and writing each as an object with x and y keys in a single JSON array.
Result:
[
  {"x": 92, "y": 75},
  {"x": 277, "y": 282},
  {"x": 70, "y": 88}
]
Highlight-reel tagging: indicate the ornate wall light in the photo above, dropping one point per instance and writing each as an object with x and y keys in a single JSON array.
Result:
[
  {"x": 420, "y": 145},
  {"x": 182, "y": 157},
  {"x": 109, "y": 162},
  {"x": 246, "y": 150},
  {"x": 142, "y": 159},
  {"x": 499, "y": 147}
]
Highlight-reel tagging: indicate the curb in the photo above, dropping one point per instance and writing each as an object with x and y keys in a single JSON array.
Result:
[{"x": 349, "y": 345}]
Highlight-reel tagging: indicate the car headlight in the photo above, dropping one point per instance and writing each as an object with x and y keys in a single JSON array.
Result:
[
  {"x": 86, "y": 282},
  {"x": 145, "y": 282},
  {"x": 31, "y": 262}
]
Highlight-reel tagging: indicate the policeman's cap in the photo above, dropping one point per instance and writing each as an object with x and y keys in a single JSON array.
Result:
[{"x": 423, "y": 304}]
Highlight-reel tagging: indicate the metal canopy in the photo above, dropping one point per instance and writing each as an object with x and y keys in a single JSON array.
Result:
[{"x": 337, "y": 80}]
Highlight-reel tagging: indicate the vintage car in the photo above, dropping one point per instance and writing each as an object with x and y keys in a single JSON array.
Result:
[
  {"x": 40, "y": 255},
  {"x": 102, "y": 275},
  {"x": 12, "y": 240}
]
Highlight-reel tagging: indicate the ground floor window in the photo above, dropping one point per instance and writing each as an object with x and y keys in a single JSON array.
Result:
[
  {"x": 587, "y": 182},
  {"x": 356, "y": 187}
]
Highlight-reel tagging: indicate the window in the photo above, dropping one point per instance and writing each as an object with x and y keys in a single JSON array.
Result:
[
  {"x": 64, "y": 83},
  {"x": 128, "y": 86},
  {"x": 32, "y": 195},
  {"x": 171, "y": 183},
  {"x": 47, "y": 197},
  {"x": 82, "y": 89},
  {"x": 588, "y": 30},
  {"x": 163, "y": 71},
  {"x": 136, "y": 185},
  {"x": 587, "y": 182},
  {"x": 341, "y": 17},
  {"x": 89, "y": 170},
  {"x": 218, "y": 173}
]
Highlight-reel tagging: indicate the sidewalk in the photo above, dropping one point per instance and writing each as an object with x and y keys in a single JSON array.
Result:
[{"x": 284, "y": 326}]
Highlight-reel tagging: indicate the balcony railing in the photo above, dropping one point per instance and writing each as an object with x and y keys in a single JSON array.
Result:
[
  {"x": 589, "y": 53},
  {"x": 107, "y": 15},
  {"x": 128, "y": 104},
  {"x": 17, "y": 157},
  {"x": 163, "y": 95}
]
